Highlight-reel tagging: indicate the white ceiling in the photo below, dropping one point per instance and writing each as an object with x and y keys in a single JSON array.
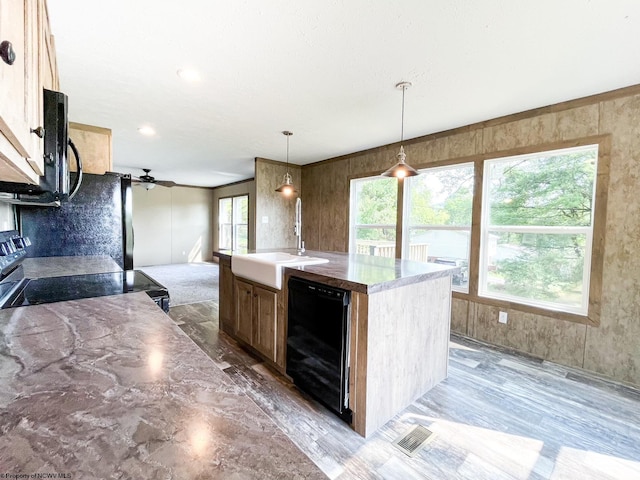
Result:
[{"x": 325, "y": 70}]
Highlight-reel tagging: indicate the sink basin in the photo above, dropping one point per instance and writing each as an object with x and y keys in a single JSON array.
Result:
[{"x": 266, "y": 268}]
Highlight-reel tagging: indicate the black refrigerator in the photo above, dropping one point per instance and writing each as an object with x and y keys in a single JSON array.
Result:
[{"x": 97, "y": 221}]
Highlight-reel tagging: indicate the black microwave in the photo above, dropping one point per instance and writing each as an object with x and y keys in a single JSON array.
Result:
[{"x": 58, "y": 184}]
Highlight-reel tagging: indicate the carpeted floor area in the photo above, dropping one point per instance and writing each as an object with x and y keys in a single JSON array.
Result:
[{"x": 187, "y": 282}]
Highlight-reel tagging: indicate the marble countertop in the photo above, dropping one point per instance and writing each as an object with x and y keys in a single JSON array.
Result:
[
  {"x": 361, "y": 273},
  {"x": 110, "y": 387},
  {"x": 42, "y": 267}
]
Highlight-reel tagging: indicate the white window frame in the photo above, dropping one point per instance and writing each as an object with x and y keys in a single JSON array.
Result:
[
  {"x": 486, "y": 229},
  {"x": 405, "y": 215},
  {"x": 353, "y": 212},
  {"x": 235, "y": 219}
]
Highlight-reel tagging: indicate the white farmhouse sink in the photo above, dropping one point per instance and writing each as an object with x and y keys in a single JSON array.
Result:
[{"x": 266, "y": 268}]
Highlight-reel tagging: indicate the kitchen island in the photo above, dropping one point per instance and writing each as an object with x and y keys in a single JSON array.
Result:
[
  {"x": 399, "y": 321},
  {"x": 111, "y": 387}
]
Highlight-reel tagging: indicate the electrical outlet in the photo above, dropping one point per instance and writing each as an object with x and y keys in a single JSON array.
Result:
[{"x": 502, "y": 317}]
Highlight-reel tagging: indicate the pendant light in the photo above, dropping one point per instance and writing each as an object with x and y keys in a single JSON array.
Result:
[
  {"x": 401, "y": 169},
  {"x": 287, "y": 187}
]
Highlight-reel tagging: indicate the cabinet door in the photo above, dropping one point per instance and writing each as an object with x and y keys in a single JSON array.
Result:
[
  {"x": 265, "y": 315},
  {"x": 17, "y": 89},
  {"x": 244, "y": 310},
  {"x": 43, "y": 74},
  {"x": 226, "y": 297},
  {"x": 48, "y": 64},
  {"x": 95, "y": 145},
  {"x": 35, "y": 113}
]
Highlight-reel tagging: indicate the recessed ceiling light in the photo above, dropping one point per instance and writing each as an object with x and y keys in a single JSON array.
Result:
[
  {"x": 147, "y": 131},
  {"x": 189, "y": 75}
]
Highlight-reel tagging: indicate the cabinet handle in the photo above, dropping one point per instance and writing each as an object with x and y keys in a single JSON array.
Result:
[
  {"x": 7, "y": 52},
  {"x": 38, "y": 131}
]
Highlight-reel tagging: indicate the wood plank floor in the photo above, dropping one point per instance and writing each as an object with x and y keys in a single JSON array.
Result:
[{"x": 497, "y": 416}]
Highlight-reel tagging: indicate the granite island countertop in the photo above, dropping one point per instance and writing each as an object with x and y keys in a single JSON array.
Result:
[
  {"x": 360, "y": 273},
  {"x": 110, "y": 387}
]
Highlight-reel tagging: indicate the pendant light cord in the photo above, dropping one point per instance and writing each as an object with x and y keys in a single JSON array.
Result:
[
  {"x": 402, "y": 124},
  {"x": 287, "y": 134}
]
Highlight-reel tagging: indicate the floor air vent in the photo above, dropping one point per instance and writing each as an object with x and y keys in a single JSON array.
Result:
[{"x": 413, "y": 440}]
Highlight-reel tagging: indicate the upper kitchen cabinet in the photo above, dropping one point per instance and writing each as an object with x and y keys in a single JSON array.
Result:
[
  {"x": 27, "y": 64},
  {"x": 48, "y": 65},
  {"x": 94, "y": 145}
]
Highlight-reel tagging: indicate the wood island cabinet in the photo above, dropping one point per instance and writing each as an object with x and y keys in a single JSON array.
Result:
[
  {"x": 28, "y": 66},
  {"x": 399, "y": 326},
  {"x": 243, "y": 294},
  {"x": 256, "y": 312},
  {"x": 265, "y": 313},
  {"x": 226, "y": 307},
  {"x": 253, "y": 314}
]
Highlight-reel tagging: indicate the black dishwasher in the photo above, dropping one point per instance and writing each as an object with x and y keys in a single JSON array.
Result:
[{"x": 318, "y": 342}]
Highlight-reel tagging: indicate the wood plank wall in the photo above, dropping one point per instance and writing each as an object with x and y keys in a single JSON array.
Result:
[{"x": 276, "y": 208}]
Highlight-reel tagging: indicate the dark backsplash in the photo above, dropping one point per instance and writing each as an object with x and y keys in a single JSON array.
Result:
[{"x": 93, "y": 223}]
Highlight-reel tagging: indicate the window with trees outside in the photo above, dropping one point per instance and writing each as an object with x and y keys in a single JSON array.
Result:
[
  {"x": 537, "y": 228},
  {"x": 373, "y": 217},
  {"x": 233, "y": 223},
  {"x": 437, "y": 218}
]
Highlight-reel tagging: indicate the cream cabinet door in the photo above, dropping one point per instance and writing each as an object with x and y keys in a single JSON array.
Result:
[
  {"x": 48, "y": 63},
  {"x": 18, "y": 89}
]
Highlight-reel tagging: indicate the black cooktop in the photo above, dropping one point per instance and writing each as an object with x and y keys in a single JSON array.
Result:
[{"x": 74, "y": 287}]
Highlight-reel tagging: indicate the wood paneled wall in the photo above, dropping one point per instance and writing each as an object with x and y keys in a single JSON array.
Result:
[
  {"x": 275, "y": 212},
  {"x": 613, "y": 347}
]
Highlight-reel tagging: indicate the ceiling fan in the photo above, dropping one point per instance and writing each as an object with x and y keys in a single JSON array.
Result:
[{"x": 148, "y": 182}]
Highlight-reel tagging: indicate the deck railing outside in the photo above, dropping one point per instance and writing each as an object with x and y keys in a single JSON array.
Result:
[{"x": 418, "y": 252}]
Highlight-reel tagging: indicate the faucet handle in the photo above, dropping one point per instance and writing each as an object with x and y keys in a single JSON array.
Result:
[{"x": 302, "y": 249}]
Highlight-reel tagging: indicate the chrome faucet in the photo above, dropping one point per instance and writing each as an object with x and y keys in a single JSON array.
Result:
[{"x": 297, "y": 227}]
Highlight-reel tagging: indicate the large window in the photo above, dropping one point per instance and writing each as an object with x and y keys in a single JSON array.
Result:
[
  {"x": 529, "y": 241},
  {"x": 233, "y": 223},
  {"x": 537, "y": 228},
  {"x": 437, "y": 218},
  {"x": 373, "y": 216}
]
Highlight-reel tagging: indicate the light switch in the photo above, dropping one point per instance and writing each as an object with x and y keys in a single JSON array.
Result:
[
  {"x": 265, "y": 219},
  {"x": 502, "y": 317}
]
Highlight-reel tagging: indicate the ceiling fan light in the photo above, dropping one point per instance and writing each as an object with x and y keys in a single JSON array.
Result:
[{"x": 147, "y": 185}]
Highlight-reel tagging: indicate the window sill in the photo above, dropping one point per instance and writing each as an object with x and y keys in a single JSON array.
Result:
[{"x": 589, "y": 320}]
